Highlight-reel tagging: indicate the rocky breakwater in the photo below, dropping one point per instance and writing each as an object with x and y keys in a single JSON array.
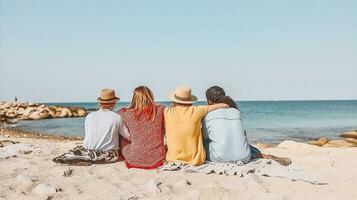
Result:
[{"x": 10, "y": 111}]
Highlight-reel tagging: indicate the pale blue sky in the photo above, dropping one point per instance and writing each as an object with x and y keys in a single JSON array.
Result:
[{"x": 257, "y": 50}]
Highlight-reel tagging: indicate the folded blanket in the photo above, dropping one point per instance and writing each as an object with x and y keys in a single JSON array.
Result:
[
  {"x": 81, "y": 156},
  {"x": 261, "y": 167}
]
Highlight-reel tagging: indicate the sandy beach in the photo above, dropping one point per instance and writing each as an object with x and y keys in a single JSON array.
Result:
[
  {"x": 27, "y": 172},
  {"x": 251, "y": 100}
]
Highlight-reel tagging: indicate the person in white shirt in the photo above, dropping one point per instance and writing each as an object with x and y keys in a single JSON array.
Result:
[
  {"x": 103, "y": 127},
  {"x": 102, "y": 130}
]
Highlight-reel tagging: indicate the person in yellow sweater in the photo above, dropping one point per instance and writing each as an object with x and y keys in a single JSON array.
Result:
[{"x": 183, "y": 127}]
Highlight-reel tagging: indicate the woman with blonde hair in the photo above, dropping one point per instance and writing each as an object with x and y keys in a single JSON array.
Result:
[{"x": 145, "y": 121}]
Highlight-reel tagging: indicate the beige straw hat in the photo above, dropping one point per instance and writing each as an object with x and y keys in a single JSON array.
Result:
[
  {"x": 107, "y": 96},
  {"x": 182, "y": 95}
]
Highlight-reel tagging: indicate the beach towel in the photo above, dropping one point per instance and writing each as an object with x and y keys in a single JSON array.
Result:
[
  {"x": 258, "y": 167},
  {"x": 81, "y": 156}
]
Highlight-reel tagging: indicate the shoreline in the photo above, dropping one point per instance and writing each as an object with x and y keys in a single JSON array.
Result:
[
  {"x": 16, "y": 133},
  {"x": 349, "y": 141}
]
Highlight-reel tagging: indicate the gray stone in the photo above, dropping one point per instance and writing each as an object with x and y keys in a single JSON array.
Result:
[{"x": 349, "y": 134}]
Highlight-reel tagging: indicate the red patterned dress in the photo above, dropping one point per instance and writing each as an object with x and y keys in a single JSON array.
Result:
[{"x": 146, "y": 149}]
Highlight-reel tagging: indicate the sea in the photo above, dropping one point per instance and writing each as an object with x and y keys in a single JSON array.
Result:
[{"x": 264, "y": 121}]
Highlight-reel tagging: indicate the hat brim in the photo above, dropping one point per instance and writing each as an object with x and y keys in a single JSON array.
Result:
[
  {"x": 172, "y": 97},
  {"x": 110, "y": 101}
]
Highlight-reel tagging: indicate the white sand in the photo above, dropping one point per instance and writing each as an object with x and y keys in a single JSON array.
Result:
[{"x": 33, "y": 175}]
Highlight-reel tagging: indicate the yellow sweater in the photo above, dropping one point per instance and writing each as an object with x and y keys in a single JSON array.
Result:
[{"x": 183, "y": 132}]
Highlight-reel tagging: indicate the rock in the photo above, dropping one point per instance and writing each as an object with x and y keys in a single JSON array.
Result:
[
  {"x": 3, "y": 118},
  {"x": 349, "y": 134},
  {"x": 6, "y": 105},
  {"x": 39, "y": 115},
  {"x": 27, "y": 112},
  {"x": 35, "y": 115},
  {"x": 81, "y": 112},
  {"x": 31, "y": 104},
  {"x": 52, "y": 114},
  {"x": 44, "y": 189},
  {"x": 57, "y": 109},
  {"x": 320, "y": 142},
  {"x": 351, "y": 140},
  {"x": 339, "y": 143},
  {"x": 23, "y": 105},
  {"x": 11, "y": 114},
  {"x": 65, "y": 112},
  {"x": 26, "y": 179},
  {"x": 287, "y": 144},
  {"x": 21, "y": 111},
  {"x": 32, "y": 111}
]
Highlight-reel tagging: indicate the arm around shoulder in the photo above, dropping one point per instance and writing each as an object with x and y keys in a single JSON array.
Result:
[{"x": 217, "y": 106}]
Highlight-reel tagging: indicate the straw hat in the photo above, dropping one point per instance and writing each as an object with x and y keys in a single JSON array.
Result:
[
  {"x": 107, "y": 96},
  {"x": 182, "y": 95}
]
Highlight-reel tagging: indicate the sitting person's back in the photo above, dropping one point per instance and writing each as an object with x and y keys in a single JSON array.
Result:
[
  {"x": 102, "y": 130},
  {"x": 225, "y": 138},
  {"x": 145, "y": 120},
  {"x": 183, "y": 127},
  {"x": 183, "y": 130}
]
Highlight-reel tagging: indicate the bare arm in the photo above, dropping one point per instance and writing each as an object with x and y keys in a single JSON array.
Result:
[
  {"x": 124, "y": 131},
  {"x": 217, "y": 106}
]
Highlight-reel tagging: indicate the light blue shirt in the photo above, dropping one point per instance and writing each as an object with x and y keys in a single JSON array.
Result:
[{"x": 224, "y": 136}]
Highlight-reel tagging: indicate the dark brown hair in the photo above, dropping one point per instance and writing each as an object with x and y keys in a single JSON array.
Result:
[{"x": 216, "y": 94}]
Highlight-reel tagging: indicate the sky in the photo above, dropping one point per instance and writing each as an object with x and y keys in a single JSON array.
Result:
[{"x": 66, "y": 51}]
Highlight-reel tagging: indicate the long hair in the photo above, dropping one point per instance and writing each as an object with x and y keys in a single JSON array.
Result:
[
  {"x": 216, "y": 94},
  {"x": 143, "y": 103}
]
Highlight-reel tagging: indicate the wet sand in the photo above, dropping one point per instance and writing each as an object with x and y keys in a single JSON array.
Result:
[{"x": 15, "y": 133}]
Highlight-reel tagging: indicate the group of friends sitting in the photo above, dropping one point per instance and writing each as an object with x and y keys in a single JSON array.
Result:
[{"x": 146, "y": 135}]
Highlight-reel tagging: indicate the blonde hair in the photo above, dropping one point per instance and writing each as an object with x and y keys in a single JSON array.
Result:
[{"x": 143, "y": 103}]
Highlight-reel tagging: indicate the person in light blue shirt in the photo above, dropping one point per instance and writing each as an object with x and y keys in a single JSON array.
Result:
[{"x": 225, "y": 139}]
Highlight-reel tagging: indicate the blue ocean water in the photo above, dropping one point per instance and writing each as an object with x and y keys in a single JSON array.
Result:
[{"x": 265, "y": 121}]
